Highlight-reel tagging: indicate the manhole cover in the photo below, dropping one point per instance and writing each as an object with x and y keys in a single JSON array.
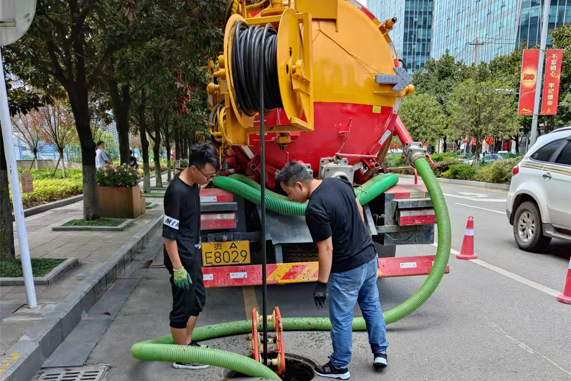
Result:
[
  {"x": 73, "y": 374},
  {"x": 298, "y": 368}
]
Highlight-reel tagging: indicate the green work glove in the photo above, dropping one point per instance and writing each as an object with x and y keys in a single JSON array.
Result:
[{"x": 182, "y": 279}]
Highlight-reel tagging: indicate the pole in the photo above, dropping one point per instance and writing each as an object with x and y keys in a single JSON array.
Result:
[
  {"x": 16, "y": 193},
  {"x": 263, "y": 200},
  {"x": 544, "y": 30},
  {"x": 476, "y": 53}
]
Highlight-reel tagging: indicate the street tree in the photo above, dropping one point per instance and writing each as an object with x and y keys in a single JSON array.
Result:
[
  {"x": 479, "y": 110},
  {"x": 69, "y": 42},
  {"x": 29, "y": 129},
  {"x": 58, "y": 128},
  {"x": 439, "y": 78},
  {"x": 423, "y": 117}
]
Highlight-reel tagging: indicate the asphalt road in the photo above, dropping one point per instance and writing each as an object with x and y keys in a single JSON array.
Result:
[{"x": 492, "y": 319}]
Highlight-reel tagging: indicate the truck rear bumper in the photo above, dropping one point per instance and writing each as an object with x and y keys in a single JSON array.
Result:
[{"x": 284, "y": 273}]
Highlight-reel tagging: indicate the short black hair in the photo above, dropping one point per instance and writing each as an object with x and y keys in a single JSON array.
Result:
[
  {"x": 202, "y": 154},
  {"x": 131, "y": 151},
  {"x": 292, "y": 173},
  {"x": 100, "y": 142}
]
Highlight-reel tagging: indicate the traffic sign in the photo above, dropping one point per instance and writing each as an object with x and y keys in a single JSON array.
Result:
[
  {"x": 27, "y": 182},
  {"x": 15, "y": 18}
]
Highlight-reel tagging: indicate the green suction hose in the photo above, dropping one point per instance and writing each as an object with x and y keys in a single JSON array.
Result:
[
  {"x": 159, "y": 349},
  {"x": 250, "y": 190}
]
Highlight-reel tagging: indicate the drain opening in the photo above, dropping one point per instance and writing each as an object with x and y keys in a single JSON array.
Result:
[{"x": 298, "y": 368}]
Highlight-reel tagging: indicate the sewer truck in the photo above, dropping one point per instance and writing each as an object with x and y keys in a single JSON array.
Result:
[{"x": 331, "y": 86}]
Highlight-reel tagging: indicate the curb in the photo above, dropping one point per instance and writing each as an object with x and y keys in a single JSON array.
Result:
[
  {"x": 479, "y": 184},
  {"x": 118, "y": 228},
  {"x": 25, "y": 358},
  {"x": 49, "y": 278}
]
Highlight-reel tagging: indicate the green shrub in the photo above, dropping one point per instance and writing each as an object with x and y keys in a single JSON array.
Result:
[
  {"x": 483, "y": 173},
  {"x": 118, "y": 176},
  {"x": 460, "y": 172},
  {"x": 49, "y": 174},
  {"x": 49, "y": 190},
  {"x": 443, "y": 166},
  {"x": 501, "y": 171},
  {"x": 447, "y": 156}
]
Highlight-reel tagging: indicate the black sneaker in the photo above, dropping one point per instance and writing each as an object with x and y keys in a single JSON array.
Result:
[
  {"x": 331, "y": 371},
  {"x": 380, "y": 360},
  {"x": 184, "y": 365}
]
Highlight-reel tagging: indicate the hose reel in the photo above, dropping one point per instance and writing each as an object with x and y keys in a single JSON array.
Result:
[{"x": 287, "y": 74}]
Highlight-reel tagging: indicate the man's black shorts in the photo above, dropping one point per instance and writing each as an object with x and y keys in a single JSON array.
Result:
[{"x": 187, "y": 303}]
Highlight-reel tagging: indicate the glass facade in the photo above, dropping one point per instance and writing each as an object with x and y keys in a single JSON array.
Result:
[
  {"x": 413, "y": 31},
  {"x": 475, "y": 30},
  {"x": 530, "y": 21}
]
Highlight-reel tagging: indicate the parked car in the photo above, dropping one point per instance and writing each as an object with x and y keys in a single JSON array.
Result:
[{"x": 539, "y": 199}]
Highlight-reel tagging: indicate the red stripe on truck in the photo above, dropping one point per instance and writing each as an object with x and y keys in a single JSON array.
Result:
[{"x": 214, "y": 221}]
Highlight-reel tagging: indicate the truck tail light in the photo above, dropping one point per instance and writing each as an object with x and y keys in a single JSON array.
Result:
[{"x": 515, "y": 171}]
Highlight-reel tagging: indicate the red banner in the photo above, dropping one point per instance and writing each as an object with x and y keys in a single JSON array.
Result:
[
  {"x": 550, "y": 96},
  {"x": 528, "y": 81}
]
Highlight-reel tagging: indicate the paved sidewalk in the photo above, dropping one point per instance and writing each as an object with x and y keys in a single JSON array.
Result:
[{"x": 91, "y": 249}]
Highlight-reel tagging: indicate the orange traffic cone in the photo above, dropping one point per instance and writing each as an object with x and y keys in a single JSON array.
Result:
[
  {"x": 565, "y": 297},
  {"x": 467, "y": 251}
]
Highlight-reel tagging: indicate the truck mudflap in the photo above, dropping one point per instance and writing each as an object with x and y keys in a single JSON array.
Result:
[{"x": 285, "y": 273}]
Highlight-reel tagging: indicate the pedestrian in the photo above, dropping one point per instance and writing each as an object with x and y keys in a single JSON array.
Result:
[
  {"x": 182, "y": 253},
  {"x": 101, "y": 157},
  {"x": 133, "y": 160},
  {"x": 347, "y": 263}
]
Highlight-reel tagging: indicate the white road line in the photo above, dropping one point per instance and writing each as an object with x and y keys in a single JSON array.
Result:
[
  {"x": 508, "y": 274},
  {"x": 477, "y": 207},
  {"x": 479, "y": 199}
]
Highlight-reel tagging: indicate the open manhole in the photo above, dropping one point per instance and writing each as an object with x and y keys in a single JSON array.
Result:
[{"x": 298, "y": 368}]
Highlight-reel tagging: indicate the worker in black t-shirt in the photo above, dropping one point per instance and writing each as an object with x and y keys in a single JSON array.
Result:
[
  {"x": 347, "y": 263},
  {"x": 182, "y": 254}
]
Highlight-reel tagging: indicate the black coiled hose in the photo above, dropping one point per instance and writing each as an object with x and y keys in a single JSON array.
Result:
[{"x": 246, "y": 68}]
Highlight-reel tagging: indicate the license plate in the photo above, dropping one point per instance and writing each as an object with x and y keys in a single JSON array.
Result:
[{"x": 225, "y": 253}]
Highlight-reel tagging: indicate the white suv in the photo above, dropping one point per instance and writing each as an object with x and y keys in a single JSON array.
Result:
[{"x": 539, "y": 200}]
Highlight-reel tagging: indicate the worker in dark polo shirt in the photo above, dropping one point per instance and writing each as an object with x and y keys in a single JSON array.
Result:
[
  {"x": 347, "y": 263},
  {"x": 182, "y": 253}
]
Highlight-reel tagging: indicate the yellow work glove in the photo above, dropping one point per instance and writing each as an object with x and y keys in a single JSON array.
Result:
[{"x": 181, "y": 278}]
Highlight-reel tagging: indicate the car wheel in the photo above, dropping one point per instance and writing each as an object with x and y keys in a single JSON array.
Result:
[{"x": 527, "y": 228}]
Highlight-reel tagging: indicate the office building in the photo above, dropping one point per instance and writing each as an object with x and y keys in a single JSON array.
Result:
[
  {"x": 530, "y": 20},
  {"x": 471, "y": 30},
  {"x": 412, "y": 32}
]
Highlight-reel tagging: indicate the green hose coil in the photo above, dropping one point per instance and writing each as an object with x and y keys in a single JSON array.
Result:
[
  {"x": 161, "y": 349},
  {"x": 250, "y": 190}
]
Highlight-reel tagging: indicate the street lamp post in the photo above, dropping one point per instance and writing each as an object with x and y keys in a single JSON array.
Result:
[{"x": 544, "y": 30}]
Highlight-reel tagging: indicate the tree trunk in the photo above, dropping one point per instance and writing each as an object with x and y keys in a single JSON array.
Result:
[
  {"x": 177, "y": 145},
  {"x": 7, "y": 251},
  {"x": 62, "y": 157},
  {"x": 121, "y": 102},
  {"x": 157, "y": 159},
  {"x": 36, "y": 161},
  {"x": 157, "y": 150},
  {"x": 144, "y": 144},
  {"x": 80, "y": 108},
  {"x": 169, "y": 169}
]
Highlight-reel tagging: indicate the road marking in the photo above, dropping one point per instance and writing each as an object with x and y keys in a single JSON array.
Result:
[
  {"x": 250, "y": 300},
  {"x": 526, "y": 347},
  {"x": 480, "y": 199},
  {"x": 479, "y": 195},
  {"x": 478, "y": 207},
  {"x": 508, "y": 274}
]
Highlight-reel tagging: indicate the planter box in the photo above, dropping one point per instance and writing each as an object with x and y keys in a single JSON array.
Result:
[{"x": 120, "y": 202}]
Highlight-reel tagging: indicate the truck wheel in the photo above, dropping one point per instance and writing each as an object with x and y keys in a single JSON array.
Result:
[
  {"x": 385, "y": 251},
  {"x": 527, "y": 228}
]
